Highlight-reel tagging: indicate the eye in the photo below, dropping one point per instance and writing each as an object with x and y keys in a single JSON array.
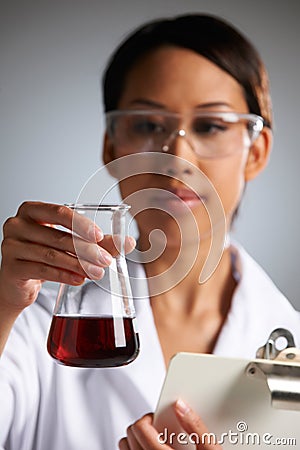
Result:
[
  {"x": 145, "y": 126},
  {"x": 209, "y": 126}
]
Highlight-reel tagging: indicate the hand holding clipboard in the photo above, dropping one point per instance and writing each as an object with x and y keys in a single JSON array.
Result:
[{"x": 245, "y": 404}]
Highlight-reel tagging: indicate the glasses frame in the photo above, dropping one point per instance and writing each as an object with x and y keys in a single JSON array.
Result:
[{"x": 230, "y": 117}]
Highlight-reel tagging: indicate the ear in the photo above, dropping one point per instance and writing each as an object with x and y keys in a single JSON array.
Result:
[
  {"x": 108, "y": 150},
  {"x": 259, "y": 154},
  {"x": 108, "y": 156}
]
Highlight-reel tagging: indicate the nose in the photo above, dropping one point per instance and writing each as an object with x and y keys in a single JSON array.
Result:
[
  {"x": 172, "y": 137},
  {"x": 176, "y": 145}
]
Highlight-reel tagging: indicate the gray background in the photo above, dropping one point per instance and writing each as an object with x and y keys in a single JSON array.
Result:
[{"x": 52, "y": 53}]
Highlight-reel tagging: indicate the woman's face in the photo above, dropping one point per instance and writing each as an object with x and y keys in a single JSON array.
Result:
[{"x": 179, "y": 80}]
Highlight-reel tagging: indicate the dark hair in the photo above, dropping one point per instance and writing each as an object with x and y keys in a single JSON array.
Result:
[{"x": 208, "y": 36}]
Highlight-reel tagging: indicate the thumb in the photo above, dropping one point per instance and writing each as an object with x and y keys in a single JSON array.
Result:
[{"x": 192, "y": 423}]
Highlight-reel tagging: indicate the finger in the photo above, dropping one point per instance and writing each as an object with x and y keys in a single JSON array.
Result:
[
  {"x": 192, "y": 423},
  {"x": 52, "y": 257},
  {"x": 146, "y": 435},
  {"x": 27, "y": 270},
  {"x": 22, "y": 230},
  {"x": 123, "y": 444},
  {"x": 94, "y": 253},
  {"x": 130, "y": 244},
  {"x": 112, "y": 244},
  {"x": 47, "y": 213},
  {"x": 131, "y": 439}
]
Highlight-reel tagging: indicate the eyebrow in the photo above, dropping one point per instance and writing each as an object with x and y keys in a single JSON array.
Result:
[
  {"x": 214, "y": 104},
  {"x": 146, "y": 102},
  {"x": 153, "y": 104}
]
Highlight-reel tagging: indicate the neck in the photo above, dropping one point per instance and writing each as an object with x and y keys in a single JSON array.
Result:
[
  {"x": 191, "y": 299},
  {"x": 174, "y": 274}
]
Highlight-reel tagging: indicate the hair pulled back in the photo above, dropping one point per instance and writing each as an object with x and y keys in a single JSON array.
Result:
[{"x": 206, "y": 35}]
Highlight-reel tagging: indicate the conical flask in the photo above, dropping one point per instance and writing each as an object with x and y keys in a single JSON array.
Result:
[{"x": 93, "y": 325}]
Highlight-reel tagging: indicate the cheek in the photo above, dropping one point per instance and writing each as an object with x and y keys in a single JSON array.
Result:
[
  {"x": 134, "y": 189},
  {"x": 227, "y": 176}
]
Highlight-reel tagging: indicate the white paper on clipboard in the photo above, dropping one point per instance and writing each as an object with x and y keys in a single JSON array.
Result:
[{"x": 234, "y": 404}]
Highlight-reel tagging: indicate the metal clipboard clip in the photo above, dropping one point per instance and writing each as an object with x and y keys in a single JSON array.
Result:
[{"x": 278, "y": 364}]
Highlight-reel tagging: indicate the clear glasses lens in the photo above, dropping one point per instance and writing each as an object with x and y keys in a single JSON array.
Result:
[{"x": 209, "y": 134}]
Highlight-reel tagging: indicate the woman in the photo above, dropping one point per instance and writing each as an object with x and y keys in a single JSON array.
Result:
[{"x": 195, "y": 91}]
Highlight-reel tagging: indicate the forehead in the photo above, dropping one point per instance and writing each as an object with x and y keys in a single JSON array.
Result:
[{"x": 179, "y": 78}]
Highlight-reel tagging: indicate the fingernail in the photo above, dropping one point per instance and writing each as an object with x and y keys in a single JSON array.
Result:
[
  {"x": 77, "y": 279},
  {"x": 95, "y": 233},
  {"x": 132, "y": 241},
  {"x": 95, "y": 271},
  {"x": 181, "y": 407},
  {"x": 104, "y": 258}
]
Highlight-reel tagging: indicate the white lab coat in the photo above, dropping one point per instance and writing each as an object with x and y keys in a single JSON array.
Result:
[{"x": 46, "y": 406}]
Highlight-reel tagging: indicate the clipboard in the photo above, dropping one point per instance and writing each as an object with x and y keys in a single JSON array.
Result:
[{"x": 244, "y": 404}]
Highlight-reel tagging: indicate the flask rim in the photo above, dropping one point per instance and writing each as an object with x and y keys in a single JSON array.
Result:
[{"x": 98, "y": 207}]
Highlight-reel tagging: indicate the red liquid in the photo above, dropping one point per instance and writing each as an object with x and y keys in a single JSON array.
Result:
[{"x": 90, "y": 342}]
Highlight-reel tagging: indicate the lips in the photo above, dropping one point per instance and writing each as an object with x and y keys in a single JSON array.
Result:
[
  {"x": 179, "y": 197},
  {"x": 186, "y": 194}
]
